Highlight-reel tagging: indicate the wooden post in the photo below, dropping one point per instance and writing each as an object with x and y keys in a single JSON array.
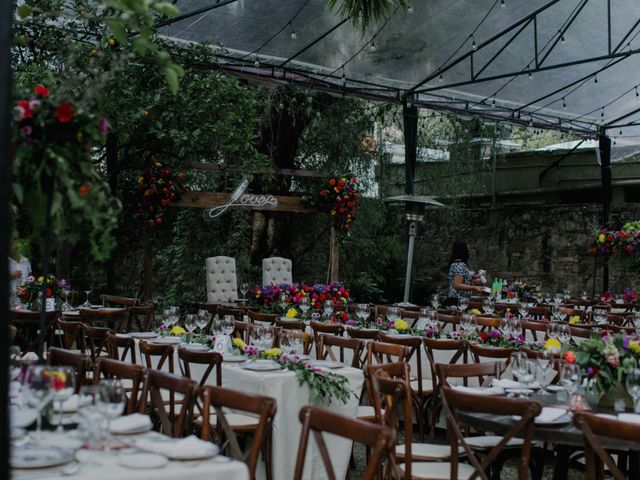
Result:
[
  {"x": 147, "y": 283},
  {"x": 334, "y": 256}
]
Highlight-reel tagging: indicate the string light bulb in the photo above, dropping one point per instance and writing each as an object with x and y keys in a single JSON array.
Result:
[
  {"x": 257, "y": 63},
  {"x": 595, "y": 79},
  {"x": 564, "y": 104},
  {"x": 372, "y": 47},
  {"x": 474, "y": 47},
  {"x": 637, "y": 94},
  {"x": 410, "y": 9},
  {"x": 441, "y": 78},
  {"x": 502, "y": 4},
  {"x": 562, "y": 39},
  {"x": 530, "y": 76}
]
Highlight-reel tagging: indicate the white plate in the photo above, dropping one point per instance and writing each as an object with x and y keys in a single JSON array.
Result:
[
  {"x": 144, "y": 334},
  {"x": 261, "y": 366},
  {"x": 234, "y": 358},
  {"x": 143, "y": 460},
  {"x": 326, "y": 364},
  {"x": 519, "y": 391},
  {"x": 196, "y": 347},
  {"x": 566, "y": 418},
  {"x": 39, "y": 456},
  {"x": 168, "y": 340},
  {"x": 555, "y": 388},
  {"x": 23, "y": 417}
]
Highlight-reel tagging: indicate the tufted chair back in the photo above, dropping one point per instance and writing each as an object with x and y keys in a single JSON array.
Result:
[
  {"x": 222, "y": 283},
  {"x": 276, "y": 270}
]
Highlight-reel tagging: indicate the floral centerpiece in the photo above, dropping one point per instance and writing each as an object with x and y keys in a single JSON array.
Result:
[
  {"x": 495, "y": 338},
  {"x": 324, "y": 386},
  {"x": 157, "y": 185},
  {"x": 340, "y": 198},
  {"x": 626, "y": 242},
  {"x": 605, "y": 359},
  {"x": 522, "y": 290},
  {"x": 279, "y": 298},
  {"x": 30, "y": 290}
]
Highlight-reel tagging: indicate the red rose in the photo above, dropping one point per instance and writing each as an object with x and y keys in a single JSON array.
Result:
[
  {"x": 569, "y": 356},
  {"x": 344, "y": 316},
  {"x": 41, "y": 90},
  {"x": 323, "y": 193},
  {"x": 484, "y": 337},
  {"x": 26, "y": 111},
  {"x": 158, "y": 220},
  {"x": 332, "y": 182},
  {"x": 84, "y": 190},
  {"x": 65, "y": 112},
  {"x": 49, "y": 293}
]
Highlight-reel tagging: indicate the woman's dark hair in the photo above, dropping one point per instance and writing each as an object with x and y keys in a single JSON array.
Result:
[{"x": 460, "y": 251}]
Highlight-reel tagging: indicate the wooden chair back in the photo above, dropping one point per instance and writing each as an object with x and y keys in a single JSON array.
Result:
[
  {"x": 596, "y": 431},
  {"x": 121, "y": 348},
  {"x": 479, "y": 352},
  {"x": 27, "y": 325},
  {"x": 156, "y": 356},
  {"x": 71, "y": 335},
  {"x": 173, "y": 423},
  {"x": 142, "y": 316},
  {"x": 217, "y": 399},
  {"x": 269, "y": 318},
  {"x": 212, "y": 361},
  {"x": 320, "y": 328},
  {"x": 342, "y": 344},
  {"x": 379, "y": 352},
  {"x": 527, "y": 410},
  {"x": 291, "y": 325},
  {"x": 539, "y": 311},
  {"x": 66, "y": 358},
  {"x": 483, "y": 371},
  {"x": 115, "y": 318},
  {"x": 363, "y": 334},
  {"x": 110, "y": 368},
  {"x": 118, "y": 301},
  {"x": 95, "y": 339},
  {"x": 237, "y": 313},
  {"x": 379, "y": 438},
  {"x": 537, "y": 329}
]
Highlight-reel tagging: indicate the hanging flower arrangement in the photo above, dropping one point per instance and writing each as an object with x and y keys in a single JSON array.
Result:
[
  {"x": 157, "y": 186},
  {"x": 339, "y": 197},
  {"x": 624, "y": 242}
]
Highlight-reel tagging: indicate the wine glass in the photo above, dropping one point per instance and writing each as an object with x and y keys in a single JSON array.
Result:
[
  {"x": 190, "y": 323},
  {"x": 62, "y": 387},
  {"x": 283, "y": 301},
  {"x": 423, "y": 319},
  {"x": 516, "y": 328},
  {"x": 633, "y": 387},
  {"x": 111, "y": 400},
  {"x": 524, "y": 310},
  {"x": 564, "y": 333},
  {"x": 432, "y": 319},
  {"x": 90, "y": 413},
  {"x": 166, "y": 318},
  {"x": 244, "y": 288},
  {"x": 557, "y": 298},
  {"x": 488, "y": 306},
  {"x": 505, "y": 326},
  {"x": 39, "y": 387},
  {"x": 203, "y": 319},
  {"x": 290, "y": 342},
  {"x": 463, "y": 304},
  {"x": 556, "y": 312},
  {"x": 87, "y": 303},
  {"x": 435, "y": 301},
  {"x": 174, "y": 316},
  {"x": 545, "y": 357},
  {"x": 570, "y": 378},
  {"x": 228, "y": 324},
  {"x": 515, "y": 362},
  {"x": 393, "y": 314},
  {"x": 303, "y": 305},
  {"x": 66, "y": 305},
  {"x": 327, "y": 308},
  {"x": 527, "y": 370},
  {"x": 553, "y": 330},
  {"x": 363, "y": 311},
  {"x": 216, "y": 326}
]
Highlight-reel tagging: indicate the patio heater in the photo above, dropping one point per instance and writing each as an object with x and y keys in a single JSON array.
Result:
[{"x": 414, "y": 206}]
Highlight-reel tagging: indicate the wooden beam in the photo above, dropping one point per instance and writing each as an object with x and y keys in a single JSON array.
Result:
[
  {"x": 215, "y": 199},
  {"x": 287, "y": 172}
]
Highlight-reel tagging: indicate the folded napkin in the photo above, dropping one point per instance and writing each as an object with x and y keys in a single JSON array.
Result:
[
  {"x": 189, "y": 447},
  {"x": 479, "y": 390},
  {"x": 629, "y": 417},
  {"x": 131, "y": 423},
  {"x": 550, "y": 414},
  {"x": 69, "y": 405},
  {"x": 506, "y": 383}
]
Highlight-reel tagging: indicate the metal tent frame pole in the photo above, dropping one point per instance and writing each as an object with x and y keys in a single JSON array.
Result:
[
  {"x": 607, "y": 194},
  {"x": 410, "y": 119},
  {"x": 6, "y": 18}
]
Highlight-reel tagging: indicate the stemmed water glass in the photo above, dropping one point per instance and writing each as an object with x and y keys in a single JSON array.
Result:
[
  {"x": 290, "y": 342},
  {"x": 393, "y": 314},
  {"x": 62, "y": 387},
  {"x": 39, "y": 386},
  {"x": 488, "y": 307},
  {"x": 435, "y": 301},
  {"x": 526, "y": 370},
  {"x": 524, "y": 310},
  {"x": 363, "y": 311},
  {"x": 111, "y": 400},
  {"x": 463, "y": 304},
  {"x": 304, "y": 306},
  {"x": 283, "y": 301},
  {"x": 553, "y": 330},
  {"x": 423, "y": 319},
  {"x": 216, "y": 326},
  {"x": 244, "y": 288},
  {"x": 190, "y": 323},
  {"x": 228, "y": 324},
  {"x": 327, "y": 308},
  {"x": 66, "y": 305},
  {"x": 515, "y": 362},
  {"x": 564, "y": 333},
  {"x": 570, "y": 378},
  {"x": 90, "y": 411},
  {"x": 87, "y": 303},
  {"x": 516, "y": 328},
  {"x": 633, "y": 387},
  {"x": 203, "y": 319},
  {"x": 556, "y": 312},
  {"x": 505, "y": 326},
  {"x": 432, "y": 319},
  {"x": 545, "y": 357}
]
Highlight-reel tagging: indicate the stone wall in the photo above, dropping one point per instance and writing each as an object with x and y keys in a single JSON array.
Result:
[{"x": 546, "y": 245}]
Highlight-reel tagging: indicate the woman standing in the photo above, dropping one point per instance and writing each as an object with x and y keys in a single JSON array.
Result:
[
  {"x": 19, "y": 267},
  {"x": 460, "y": 285}
]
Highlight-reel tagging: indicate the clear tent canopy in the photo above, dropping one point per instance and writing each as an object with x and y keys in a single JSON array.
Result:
[{"x": 570, "y": 65}]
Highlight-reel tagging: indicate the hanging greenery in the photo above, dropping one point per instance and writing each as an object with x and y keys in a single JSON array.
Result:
[
  {"x": 340, "y": 198},
  {"x": 363, "y": 13}
]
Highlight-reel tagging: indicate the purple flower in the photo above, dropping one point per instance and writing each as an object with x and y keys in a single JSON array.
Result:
[
  {"x": 625, "y": 342},
  {"x": 495, "y": 334},
  {"x": 379, "y": 321},
  {"x": 31, "y": 279},
  {"x": 520, "y": 339},
  {"x": 163, "y": 328},
  {"x": 34, "y": 104},
  {"x": 103, "y": 126},
  {"x": 26, "y": 130},
  {"x": 65, "y": 284}
]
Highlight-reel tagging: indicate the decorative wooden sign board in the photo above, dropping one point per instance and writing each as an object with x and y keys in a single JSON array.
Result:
[{"x": 274, "y": 203}]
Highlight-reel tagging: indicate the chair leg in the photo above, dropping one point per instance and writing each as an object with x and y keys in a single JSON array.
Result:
[{"x": 266, "y": 455}]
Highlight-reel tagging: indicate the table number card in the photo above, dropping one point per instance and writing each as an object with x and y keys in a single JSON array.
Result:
[
  {"x": 222, "y": 344},
  {"x": 50, "y": 304}
]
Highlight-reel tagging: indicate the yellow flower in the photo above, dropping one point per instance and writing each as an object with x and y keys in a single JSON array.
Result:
[
  {"x": 474, "y": 311},
  {"x": 158, "y": 164},
  {"x": 574, "y": 320},
  {"x": 239, "y": 343},
  {"x": 140, "y": 179},
  {"x": 602, "y": 238},
  {"x": 400, "y": 325},
  {"x": 634, "y": 346},
  {"x": 177, "y": 330},
  {"x": 273, "y": 353},
  {"x": 291, "y": 313},
  {"x": 40, "y": 279},
  {"x": 552, "y": 344}
]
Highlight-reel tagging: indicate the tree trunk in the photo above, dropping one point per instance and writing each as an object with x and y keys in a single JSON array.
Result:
[
  {"x": 112, "y": 178},
  {"x": 334, "y": 256}
]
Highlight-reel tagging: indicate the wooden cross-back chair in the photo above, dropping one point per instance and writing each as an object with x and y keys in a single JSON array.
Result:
[
  {"x": 215, "y": 423},
  {"x": 27, "y": 324},
  {"x": 342, "y": 344},
  {"x": 76, "y": 360},
  {"x": 142, "y": 316},
  {"x": 259, "y": 317},
  {"x": 211, "y": 360},
  {"x": 420, "y": 394},
  {"x": 481, "y": 351},
  {"x": 291, "y": 325},
  {"x": 329, "y": 328},
  {"x": 95, "y": 339},
  {"x": 380, "y": 352},
  {"x": 392, "y": 400},
  {"x": 484, "y": 372},
  {"x": 363, "y": 334},
  {"x": 115, "y": 319},
  {"x": 70, "y": 335},
  {"x": 454, "y": 401},
  {"x": 173, "y": 423},
  {"x": 156, "y": 356},
  {"x": 379, "y": 438},
  {"x": 131, "y": 374},
  {"x": 598, "y": 432},
  {"x": 121, "y": 348}
]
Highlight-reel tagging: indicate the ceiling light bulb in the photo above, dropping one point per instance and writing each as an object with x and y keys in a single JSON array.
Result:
[
  {"x": 257, "y": 63},
  {"x": 474, "y": 47},
  {"x": 294, "y": 36},
  {"x": 373, "y": 48},
  {"x": 410, "y": 9},
  {"x": 441, "y": 78}
]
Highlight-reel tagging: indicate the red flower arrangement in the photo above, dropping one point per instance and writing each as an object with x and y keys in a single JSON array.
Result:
[
  {"x": 269, "y": 296},
  {"x": 157, "y": 186},
  {"x": 340, "y": 198}
]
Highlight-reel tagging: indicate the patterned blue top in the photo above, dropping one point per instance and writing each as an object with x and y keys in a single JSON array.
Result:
[{"x": 459, "y": 268}]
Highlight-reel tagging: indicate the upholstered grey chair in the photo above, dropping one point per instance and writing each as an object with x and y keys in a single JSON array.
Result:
[
  {"x": 222, "y": 282},
  {"x": 276, "y": 270}
]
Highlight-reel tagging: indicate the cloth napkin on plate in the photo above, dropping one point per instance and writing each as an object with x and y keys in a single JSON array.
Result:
[
  {"x": 131, "y": 423},
  {"x": 189, "y": 447},
  {"x": 69, "y": 405},
  {"x": 550, "y": 414},
  {"x": 479, "y": 390},
  {"x": 506, "y": 383},
  {"x": 629, "y": 417}
]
